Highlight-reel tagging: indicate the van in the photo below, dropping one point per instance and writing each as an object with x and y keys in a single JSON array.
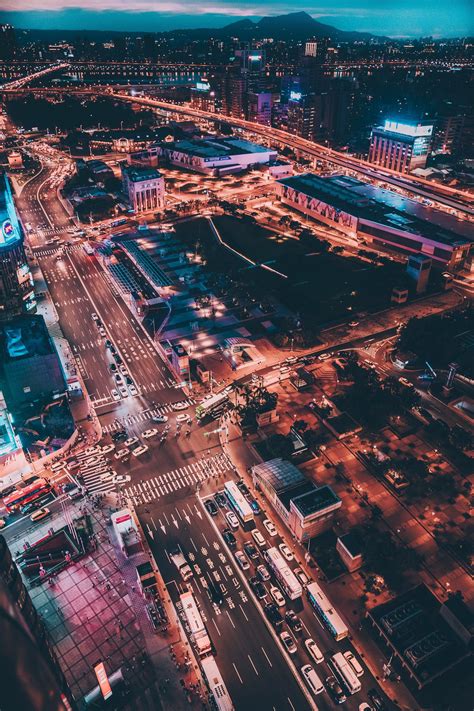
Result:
[
  {"x": 312, "y": 679},
  {"x": 258, "y": 538},
  {"x": 354, "y": 663}
]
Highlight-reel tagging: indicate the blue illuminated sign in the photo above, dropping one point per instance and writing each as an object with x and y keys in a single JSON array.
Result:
[{"x": 295, "y": 95}]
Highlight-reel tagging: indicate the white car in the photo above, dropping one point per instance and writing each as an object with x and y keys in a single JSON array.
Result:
[
  {"x": 312, "y": 679},
  {"x": 123, "y": 391},
  {"x": 301, "y": 576},
  {"x": 94, "y": 316},
  {"x": 132, "y": 390},
  {"x": 183, "y": 418},
  {"x": 242, "y": 560},
  {"x": 285, "y": 551},
  {"x": 270, "y": 526},
  {"x": 92, "y": 450},
  {"x": 108, "y": 448},
  {"x": 122, "y": 453},
  {"x": 232, "y": 520},
  {"x": 140, "y": 450},
  {"x": 277, "y": 596},
  {"x": 149, "y": 433},
  {"x": 106, "y": 476},
  {"x": 263, "y": 573},
  {"x": 314, "y": 651},
  {"x": 123, "y": 369},
  {"x": 180, "y": 406},
  {"x": 324, "y": 356},
  {"x": 102, "y": 332},
  {"x": 131, "y": 441},
  {"x": 354, "y": 663},
  {"x": 258, "y": 538},
  {"x": 161, "y": 419},
  {"x": 116, "y": 395},
  {"x": 288, "y": 642}
]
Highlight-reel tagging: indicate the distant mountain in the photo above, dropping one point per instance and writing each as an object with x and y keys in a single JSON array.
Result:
[{"x": 294, "y": 26}]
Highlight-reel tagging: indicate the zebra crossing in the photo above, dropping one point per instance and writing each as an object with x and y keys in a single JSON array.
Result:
[
  {"x": 193, "y": 474},
  {"x": 144, "y": 416},
  {"x": 50, "y": 251},
  {"x": 97, "y": 476}
]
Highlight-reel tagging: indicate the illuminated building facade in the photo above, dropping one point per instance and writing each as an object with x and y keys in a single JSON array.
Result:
[
  {"x": 401, "y": 146},
  {"x": 144, "y": 187},
  {"x": 16, "y": 282}
]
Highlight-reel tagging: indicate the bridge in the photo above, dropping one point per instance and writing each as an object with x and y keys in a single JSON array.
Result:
[{"x": 23, "y": 81}]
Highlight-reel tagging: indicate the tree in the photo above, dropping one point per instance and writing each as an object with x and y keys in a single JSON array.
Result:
[{"x": 280, "y": 445}]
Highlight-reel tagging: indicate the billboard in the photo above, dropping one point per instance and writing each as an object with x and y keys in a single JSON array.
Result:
[
  {"x": 408, "y": 129},
  {"x": 10, "y": 231}
]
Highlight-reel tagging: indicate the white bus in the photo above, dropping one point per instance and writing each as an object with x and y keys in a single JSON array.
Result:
[
  {"x": 326, "y": 612},
  {"x": 238, "y": 502},
  {"x": 197, "y": 628},
  {"x": 283, "y": 573},
  {"x": 345, "y": 673},
  {"x": 212, "y": 407},
  {"x": 220, "y": 698}
]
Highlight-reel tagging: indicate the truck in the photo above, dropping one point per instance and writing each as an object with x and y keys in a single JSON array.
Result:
[{"x": 181, "y": 563}]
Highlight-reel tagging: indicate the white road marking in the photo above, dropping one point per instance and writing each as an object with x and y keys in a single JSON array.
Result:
[{"x": 237, "y": 672}]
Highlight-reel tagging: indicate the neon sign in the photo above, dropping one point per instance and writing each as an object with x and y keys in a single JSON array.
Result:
[
  {"x": 295, "y": 95},
  {"x": 407, "y": 129}
]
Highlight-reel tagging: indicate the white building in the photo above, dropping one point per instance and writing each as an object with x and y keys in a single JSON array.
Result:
[
  {"x": 218, "y": 155},
  {"x": 144, "y": 188}
]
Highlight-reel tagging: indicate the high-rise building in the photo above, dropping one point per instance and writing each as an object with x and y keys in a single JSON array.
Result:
[
  {"x": 16, "y": 282},
  {"x": 303, "y": 114},
  {"x": 144, "y": 187},
  {"x": 29, "y": 670},
  {"x": 311, "y": 49},
  {"x": 401, "y": 145},
  {"x": 237, "y": 102},
  {"x": 259, "y": 108},
  {"x": 203, "y": 97},
  {"x": 7, "y": 42},
  {"x": 252, "y": 60}
]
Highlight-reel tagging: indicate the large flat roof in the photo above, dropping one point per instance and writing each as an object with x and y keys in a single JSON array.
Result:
[
  {"x": 136, "y": 173},
  {"x": 383, "y": 206},
  {"x": 280, "y": 474},
  {"x": 316, "y": 500},
  {"x": 218, "y": 147}
]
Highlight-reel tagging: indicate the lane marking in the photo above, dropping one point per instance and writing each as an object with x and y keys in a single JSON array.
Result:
[
  {"x": 251, "y": 662},
  {"x": 237, "y": 672},
  {"x": 230, "y": 619},
  {"x": 266, "y": 656}
]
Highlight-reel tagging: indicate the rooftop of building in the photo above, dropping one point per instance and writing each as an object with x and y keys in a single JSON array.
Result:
[
  {"x": 287, "y": 496},
  {"x": 383, "y": 206},
  {"x": 137, "y": 173},
  {"x": 417, "y": 631},
  {"x": 217, "y": 147},
  {"x": 352, "y": 544},
  {"x": 280, "y": 474},
  {"x": 24, "y": 337},
  {"x": 316, "y": 500}
]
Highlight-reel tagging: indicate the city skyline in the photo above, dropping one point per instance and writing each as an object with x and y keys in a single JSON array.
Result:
[{"x": 400, "y": 20}]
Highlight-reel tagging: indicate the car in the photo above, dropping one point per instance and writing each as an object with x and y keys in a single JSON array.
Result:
[
  {"x": 92, "y": 450},
  {"x": 128, "y": 380},
  {"x": 254, "y": 505},
  {"x": 353, "y": 324},
  {"x": 69, "y": 486},
  {"x": 140, "y": 450},
  {"x": 147, "y": 434},
  {"x": 180, "y": 406},
  {"x": 277, "y": 596},
  {"x": 122, "y": 453},
  {"x": 242, "y": 487},
  {"x": 324, "y": 356},
  {"x": 115, "y": 395},
  {"x": 312, "y": 679},
  {"x": 160, "y": 419},
  {"x": 284, "y": 369},
  {"x": 76, "y": 493},
  {"x": 132, "y": 390},
  {"x": 91, "y": 461},
  {"x": 107, "y": 448},
  {"x": 55, "y": 467},
  {"x": 118, "y": 378},
  {"x": 335, "y": 689},
  {"x": 119, "y": 435},
  {"x": 242, "y": 560},
  {"x": 123, "y": 369},
  {"x": 376, "y": 699},
  {"x": 232, "y": 520},
  {"x": 28, "y": 508},
  {"x": 108, "y": 344},
  {"x": 94, "y": 316},
  {"x": 405, "y": 382},
  {"x": 112, "y": 349},
  {"x": 288, "y": 642},
  {"x": 354, "y": 663},
  {"x": 229, "y": 538},
  {"x": 250, "y": 550},
  {"x": 285, "y": 551},
  {"x": 131, "y": 442},
  {"x": 220, "y": 500},
  {"x": 364, "y": 706},
  {"x": 258, "y": 538},
  {"x": 117, "y": 359},
  {"x": 273, "y": 614},
  {"x": 293, "y": 621},
  {"x": 3, "y": 523},
  {"x": 270, "y": 526},
  {"x": 262, "y": 572},
  {"x": 291, "y": 360},
  {"x": 313, "y": 650},
  {"x": 215, "y": 593},
  {"x": 102, "y": 332},
  {"x": 301, "y": 576},
  {"x": 183, "y": 418},
  {"x": 112, "y": 367},
  {"x": 123, "y": 391},
  {"x": 258, "y": 587},
  {"x": 40, "y": 514},
  {"x": 211, "y": 507}
]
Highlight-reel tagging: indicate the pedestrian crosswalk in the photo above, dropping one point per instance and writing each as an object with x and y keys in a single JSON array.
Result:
[
  {"x": 50, "y": 251},
  {"x": 96, "y": 472},
  {"x": 193, "y": 474},
  {"x": 144, "y": 416}
]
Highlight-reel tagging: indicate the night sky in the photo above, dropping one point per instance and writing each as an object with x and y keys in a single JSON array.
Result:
[{"x": 396, "y": 18}]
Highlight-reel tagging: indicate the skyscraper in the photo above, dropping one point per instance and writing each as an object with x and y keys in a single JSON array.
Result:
[{"x": 401, "y": 145}]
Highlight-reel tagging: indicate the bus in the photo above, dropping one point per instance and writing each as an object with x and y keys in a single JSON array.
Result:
[
  {"x": 345, "y": 673},
  {"x": 326, "y": 612},
  {"x": 30, "y": 493},
  {"x": 212, "y": 407},
  {"x": 196, "y": 626},
  {"x": 283, "y": 573},
  {"x": 87, "y": 248},
  {"x": 219, "y": 696},
  {"x": 238, "y": 502}
]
